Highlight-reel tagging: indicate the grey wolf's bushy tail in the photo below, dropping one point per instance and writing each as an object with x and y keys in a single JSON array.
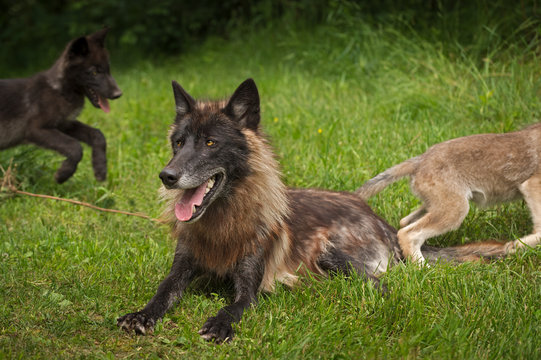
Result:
[
  {"x": 470, "y": 252},
  {"x": 389, "y": 176}
]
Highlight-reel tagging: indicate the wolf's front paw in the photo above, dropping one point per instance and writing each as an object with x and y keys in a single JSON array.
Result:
[
  {"x": 139, "y": 322},
  {"x": 218, "y": 329}
]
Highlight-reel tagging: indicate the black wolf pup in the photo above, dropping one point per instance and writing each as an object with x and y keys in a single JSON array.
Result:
[
  {"x": 43, "y": 108},
  {"x": 233, "y": 216}
]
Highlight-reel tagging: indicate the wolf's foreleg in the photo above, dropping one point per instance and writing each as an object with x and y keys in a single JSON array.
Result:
[
  {"x": 95, "y": 139},
  {"x": 64, "y": 144},
  {"x": 247, "y": 278},
  {"x": 170, "y": 291}
]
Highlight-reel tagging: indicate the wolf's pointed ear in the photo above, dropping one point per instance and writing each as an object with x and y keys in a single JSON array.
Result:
[
  {"x": 184, "y": 103},
  {"x": 78, "y": 47},
  {"x": 244, "y": 105},
  {"x": 99, "y": 36}
]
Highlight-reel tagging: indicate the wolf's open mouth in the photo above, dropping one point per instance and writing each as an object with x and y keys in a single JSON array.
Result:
[
  {"x": 195, "y": 201},
  {"x": 97, "y": 100}
]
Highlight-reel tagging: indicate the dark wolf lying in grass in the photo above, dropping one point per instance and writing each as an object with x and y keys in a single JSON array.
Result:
[
  {"x": 43, "y": 108},
  {"x": 486, "y": 169},
  {"x": 233, "y": 216}
]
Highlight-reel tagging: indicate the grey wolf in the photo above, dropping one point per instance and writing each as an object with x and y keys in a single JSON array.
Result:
[
  {"x": 43, "y": 108},
  {"x": 233, "y": 216},
  {"x": 486, "y": 169}
]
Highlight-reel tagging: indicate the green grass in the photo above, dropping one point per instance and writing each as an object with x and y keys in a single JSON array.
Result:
[{"x": 379, "y": 97}]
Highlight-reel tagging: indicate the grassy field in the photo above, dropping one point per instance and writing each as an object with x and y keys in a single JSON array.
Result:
[{"x": 339, "y": 105}]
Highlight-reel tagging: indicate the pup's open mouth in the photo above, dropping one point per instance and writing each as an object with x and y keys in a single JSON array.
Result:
[
  {"x": 195, "y": 201},
  {"x": 97, "y": 100}
]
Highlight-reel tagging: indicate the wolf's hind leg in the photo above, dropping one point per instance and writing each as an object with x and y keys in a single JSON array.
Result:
[
  {"x": 95, "y": 139},
  {"x": 446, "y": 216},
  {"x": 531, "y": 191},
  {"x": 412, "y": 217},
  {"x": 335, "y": 260}
]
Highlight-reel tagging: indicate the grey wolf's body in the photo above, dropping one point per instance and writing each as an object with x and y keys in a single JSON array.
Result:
[
  {"x": 234, "y": 217},
  {"x": 486, "y": 169},
  {"x": 43, "y": 108}
]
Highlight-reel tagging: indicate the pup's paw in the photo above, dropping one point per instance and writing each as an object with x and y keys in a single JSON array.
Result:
[
  {"x": 100, "y": 175},
  {"x": 62, "y": 175},
  {"x": 217, "y": 329},
  {"x": 139, "y": 322}
]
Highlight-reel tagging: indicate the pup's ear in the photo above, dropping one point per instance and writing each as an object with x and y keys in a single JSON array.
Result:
[
  {"x": 244, "y": 105},
  {"x": 99, "y": 36},
  {"x": 183, "y": 101},
  {"x": 78, "y": 47}
]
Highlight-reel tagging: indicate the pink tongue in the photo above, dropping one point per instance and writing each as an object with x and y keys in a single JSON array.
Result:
[
  {"x": 191, "y": 197},
  {"x": 104, "y": 104}
]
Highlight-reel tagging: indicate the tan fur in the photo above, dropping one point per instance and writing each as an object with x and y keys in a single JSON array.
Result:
[{"x": 486, "y": 169}]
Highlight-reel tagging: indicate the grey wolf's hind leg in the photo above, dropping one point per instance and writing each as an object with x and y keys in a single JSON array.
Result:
[{"x": 335, "y": 260}]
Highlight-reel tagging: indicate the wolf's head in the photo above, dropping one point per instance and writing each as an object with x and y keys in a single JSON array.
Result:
[
  {"x": 210, "y": 148},
  {"x": 86, "y": 68}
]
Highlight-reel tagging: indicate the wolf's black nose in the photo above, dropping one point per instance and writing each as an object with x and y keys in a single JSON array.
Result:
[{"x": 169, "y": 177}]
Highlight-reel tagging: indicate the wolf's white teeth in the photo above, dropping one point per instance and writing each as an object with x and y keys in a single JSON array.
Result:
[
  {"x": 193, "y": 209},
  {"x": 210, "y": 184}
]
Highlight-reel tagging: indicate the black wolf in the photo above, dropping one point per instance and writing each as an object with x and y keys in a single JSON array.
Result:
[
  {"x": 233, "y": 216},
  {"x": 43, "y": 108}
]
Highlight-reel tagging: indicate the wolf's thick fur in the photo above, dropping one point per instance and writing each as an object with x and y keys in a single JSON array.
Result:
[
  {"x": 43, "y": 108},
  {"x": 486, "y": 169},
  {"x": 233, "y": 216}
]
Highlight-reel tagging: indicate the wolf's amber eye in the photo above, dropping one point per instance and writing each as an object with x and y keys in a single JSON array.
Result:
[
  {"x": 94, "y": 73},
  {"x": 210, "y": 143},
  {"x": 178, "y": 143}
]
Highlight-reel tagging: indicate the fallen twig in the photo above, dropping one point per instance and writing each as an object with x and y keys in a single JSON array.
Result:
[{"x": 9, "y": 184}]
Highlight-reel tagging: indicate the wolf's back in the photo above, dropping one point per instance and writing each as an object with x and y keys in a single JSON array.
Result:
[{"x": 389, "y": 176}]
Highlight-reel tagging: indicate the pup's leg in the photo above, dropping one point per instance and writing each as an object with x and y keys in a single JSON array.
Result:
[
  {"x": 531, "y": 190},
  {"x": 170, "y": 290},
  {"x": 247, "y": 278},
  {"x": 96, "y": 140},
  {"x": 414, "y": 216},
  {"x": 64, "y": 144},
  {"x": 445, "y": 215}
]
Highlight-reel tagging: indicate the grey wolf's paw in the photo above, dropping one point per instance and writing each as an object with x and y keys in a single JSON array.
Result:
[
  {"x": 218, "y": 329},
  {"x": 139, "y": 322}
]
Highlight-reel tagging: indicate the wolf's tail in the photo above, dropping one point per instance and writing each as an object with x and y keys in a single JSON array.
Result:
[
  {"x": 389, "y": 176},
  {"x": 487, "y": 250}
]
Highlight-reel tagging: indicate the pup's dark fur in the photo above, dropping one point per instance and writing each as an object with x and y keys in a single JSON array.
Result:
[
  {"x": 42, "y": 109},
  {"x": 233, "y": 216}
]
